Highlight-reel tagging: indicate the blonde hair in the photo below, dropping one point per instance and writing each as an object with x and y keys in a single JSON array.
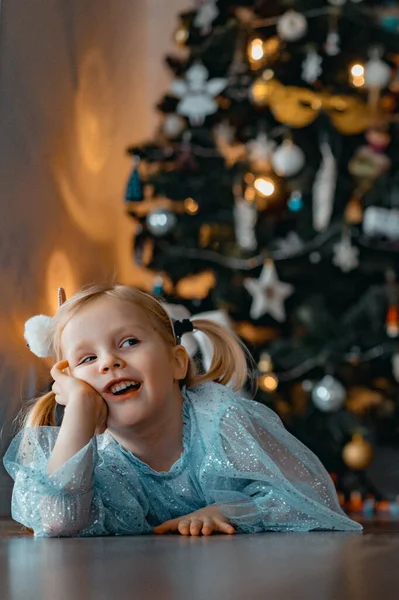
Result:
[{"x": 229, "y": 361}]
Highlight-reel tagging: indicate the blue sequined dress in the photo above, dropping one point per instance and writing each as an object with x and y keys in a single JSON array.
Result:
[{"x": 236, "y": 454}]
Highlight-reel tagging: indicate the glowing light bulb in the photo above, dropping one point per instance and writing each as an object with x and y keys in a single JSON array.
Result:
[
  {"x": 358, "y": 81},
  {"x": 265, "y": 363},
  {"x": 264, "y": 186},
  {"x": 256, "y": 49},
  {"x": 357, "y": 71},
  {"x": 191, "y": 206},
  {"x": 268, "y": 382}
]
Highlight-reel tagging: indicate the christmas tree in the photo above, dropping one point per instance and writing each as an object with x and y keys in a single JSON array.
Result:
[{"x": 269, "y": 200}]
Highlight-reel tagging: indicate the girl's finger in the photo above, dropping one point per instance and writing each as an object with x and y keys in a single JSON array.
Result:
[
  {"x": 195, "y": 527},
  {"x": 55, "y": 388},
  {"x": 184, "y": 527},
  {"x": 224, "y": 527},
  {"x": 58, "y": 368},
  {"x": 167, "y": 526},
  {"x": 59, "y": 400},
  {"x": 208, "y": 528}
]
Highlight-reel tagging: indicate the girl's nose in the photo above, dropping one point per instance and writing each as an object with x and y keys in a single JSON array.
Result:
[{"x": 111, "y": 362}]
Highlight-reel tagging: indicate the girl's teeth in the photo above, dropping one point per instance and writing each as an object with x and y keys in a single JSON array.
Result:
[{"x": 119, "y": 387}]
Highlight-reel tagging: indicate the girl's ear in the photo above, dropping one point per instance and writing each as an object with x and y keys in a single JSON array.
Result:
[{"x": 181, "y": 360}]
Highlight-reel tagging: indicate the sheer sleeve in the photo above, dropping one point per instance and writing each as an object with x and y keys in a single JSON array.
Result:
[
  {"x": 79, "y": 498},
  {"x": 264, "y": 479}
]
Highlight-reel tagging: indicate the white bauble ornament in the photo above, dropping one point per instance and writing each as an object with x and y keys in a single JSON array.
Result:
[
  {"x": 292, "y": 26},
  {"x": 377, "y": 73},
  {"x": 328, "y": 395},
  {"x": 173, "y": 125},
  {"x": 288, "y": 159}
]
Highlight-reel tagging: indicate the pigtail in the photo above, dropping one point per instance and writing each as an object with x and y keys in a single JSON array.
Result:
[
  {"x": 229, "y": 361},
  {"x": 42, "y": 412}
]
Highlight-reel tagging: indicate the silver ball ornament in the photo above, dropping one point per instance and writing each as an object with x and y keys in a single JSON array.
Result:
[
  {"x": 288, "y": 159},
  {"x": 377, "y": 73},
  {"x": 292, "y": 26},
  {"x": 161, "y": 222},
  {"x": 328, "y": 394}
]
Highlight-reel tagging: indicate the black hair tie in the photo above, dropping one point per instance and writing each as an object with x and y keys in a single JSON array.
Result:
[{"x": 181, "y": 327}]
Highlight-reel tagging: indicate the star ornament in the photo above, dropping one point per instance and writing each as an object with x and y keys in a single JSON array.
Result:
[{"x": 268, "y": 293}]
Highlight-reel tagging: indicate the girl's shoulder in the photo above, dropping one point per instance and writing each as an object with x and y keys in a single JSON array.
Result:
[{"x": 214, "y": 402}]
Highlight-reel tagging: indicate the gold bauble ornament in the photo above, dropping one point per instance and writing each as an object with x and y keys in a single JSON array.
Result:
[
  {"x": 298, "y": 107},
  {"x": 358, "y": 453},
  {"x": 349, "y": 114},
  {"x": 294, "y": 106}
]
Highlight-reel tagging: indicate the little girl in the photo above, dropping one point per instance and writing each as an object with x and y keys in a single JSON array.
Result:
[{"x": 147, "y": 445}]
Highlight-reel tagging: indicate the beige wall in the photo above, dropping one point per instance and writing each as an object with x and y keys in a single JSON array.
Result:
[{"x": 78, "y": 84}]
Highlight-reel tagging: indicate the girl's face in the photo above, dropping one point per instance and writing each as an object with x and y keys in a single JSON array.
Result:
[{"x": 113, "y": 346}]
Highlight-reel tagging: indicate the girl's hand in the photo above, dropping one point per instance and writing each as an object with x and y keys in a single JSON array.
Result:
[
  {"x": 71, "y": 390},
  {"x": 206, "y": 521}
]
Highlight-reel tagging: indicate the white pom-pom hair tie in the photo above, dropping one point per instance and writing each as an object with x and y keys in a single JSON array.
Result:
[
  {"x": 36, "y": 335},
  {"x": 36, "y": 332}
]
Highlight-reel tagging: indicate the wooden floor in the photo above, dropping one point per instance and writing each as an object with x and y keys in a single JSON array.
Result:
[{"x": 306, "y": 566}]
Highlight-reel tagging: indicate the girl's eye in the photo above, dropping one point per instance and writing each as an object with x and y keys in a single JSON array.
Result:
[
  {"x": 87, "y": 359},
  {"x": 129, "y": 342}
]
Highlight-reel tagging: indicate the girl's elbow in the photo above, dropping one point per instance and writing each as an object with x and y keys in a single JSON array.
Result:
[{"x": 58, "y": 528}]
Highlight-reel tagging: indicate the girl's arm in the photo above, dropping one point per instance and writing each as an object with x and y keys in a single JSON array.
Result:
[
  {"x": 53, "y": 467},
  {"x": 85, "y": 413}
]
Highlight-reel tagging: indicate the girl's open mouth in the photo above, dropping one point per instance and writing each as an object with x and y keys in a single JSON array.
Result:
[{"x": 123, "y": 387}]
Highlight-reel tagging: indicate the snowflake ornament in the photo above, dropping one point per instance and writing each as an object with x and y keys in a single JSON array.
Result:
[
  {"x": 346, "y": 255},
  {"x": 207, "y": 13},
  {"x": 197, "y": 94},
  {"x": 311, "y": 67},
  {"x": 268, "y": 293}
]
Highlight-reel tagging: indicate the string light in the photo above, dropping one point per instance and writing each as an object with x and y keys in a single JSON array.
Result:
[
  {"x": 268, "y": 382},
  {"x": 191, "y": 206},
  {"x": 264, "y": 186},
  {"x": 265, "y": 364},
  {"x": 357, "y": 73},
  {"x": 256, "y": 49}
]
